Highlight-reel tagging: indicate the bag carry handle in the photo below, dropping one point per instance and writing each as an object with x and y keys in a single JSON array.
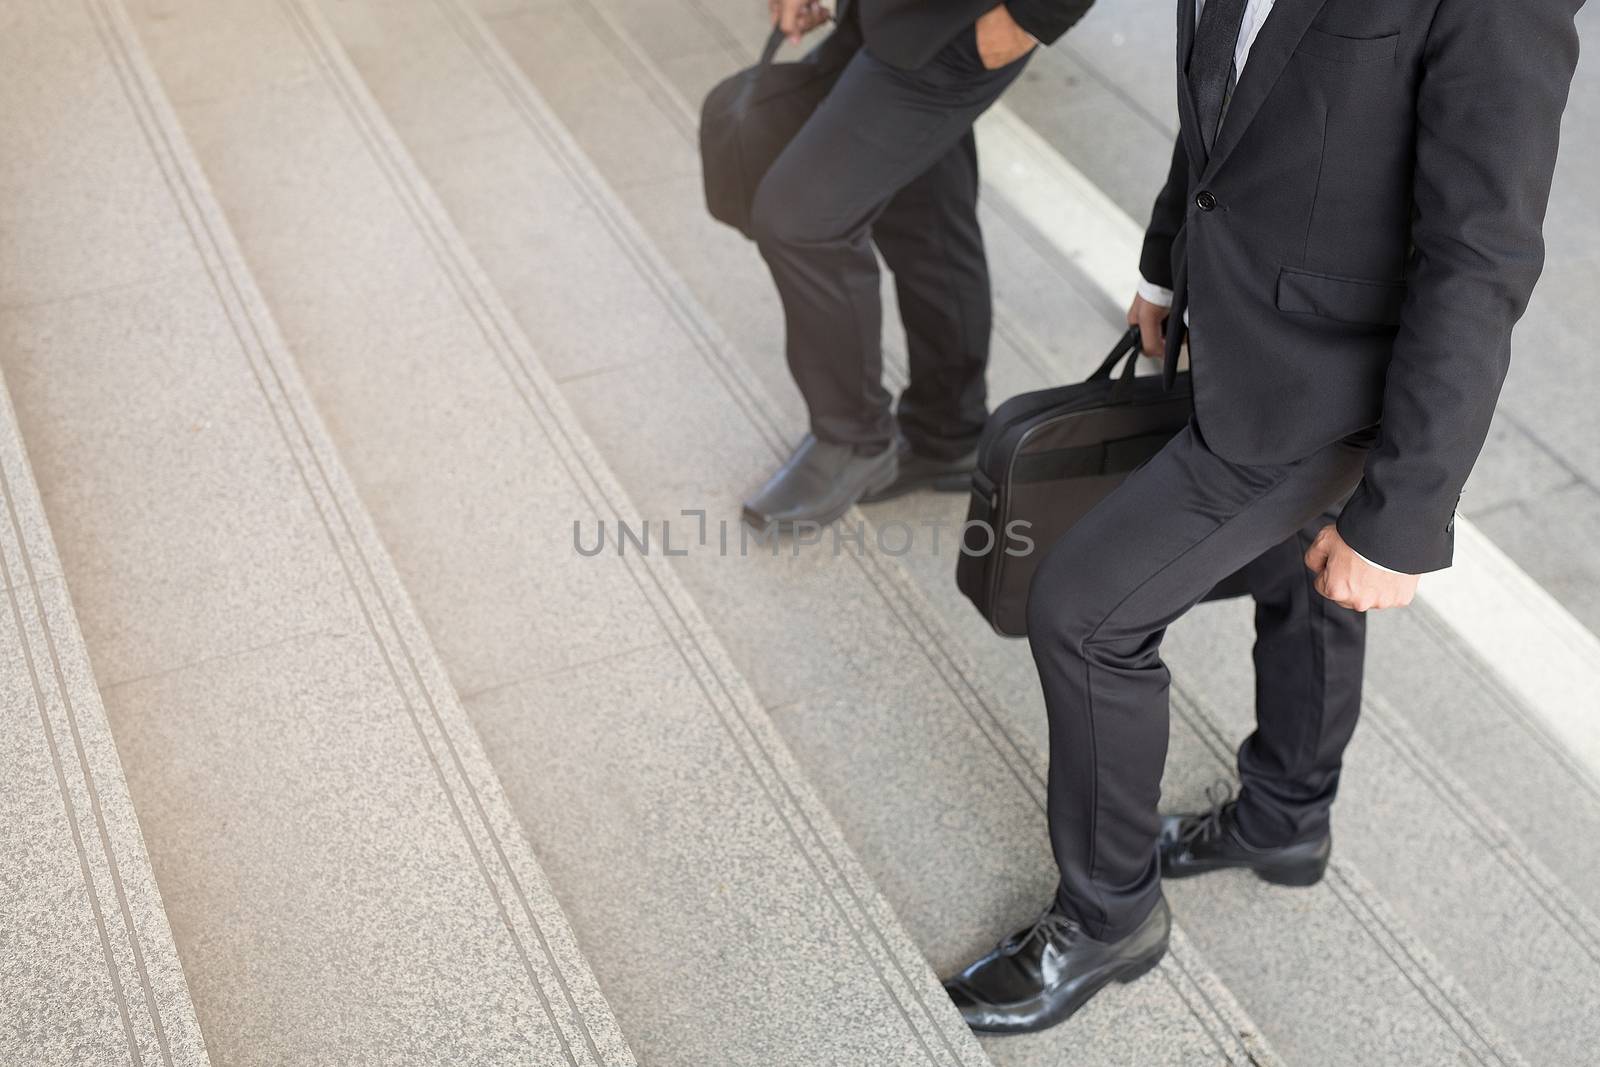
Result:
[
  {"x": 1128, "y": 347},
  {"x": 774, "y": 42}
]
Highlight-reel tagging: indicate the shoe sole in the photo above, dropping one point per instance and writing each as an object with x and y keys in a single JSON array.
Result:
[
  {"x": 1291, "y": 877},
  {"x": 1298, "y": 878},
  {"x": 959, "y": 482},
  {"x": 1131, "y": 972}
]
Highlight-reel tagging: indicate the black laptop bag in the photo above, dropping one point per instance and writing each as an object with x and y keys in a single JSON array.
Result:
[{"x": 1045, "y": 459}]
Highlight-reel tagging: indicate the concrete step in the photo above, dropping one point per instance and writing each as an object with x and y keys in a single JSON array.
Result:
[
  {"x": 721, "y": 909},
  {"x": 343, "y": 875},
  {"x": 1355, "y": 944},
  {"x": 898, "y": 736},
  {"x": 88, "y": 969}
]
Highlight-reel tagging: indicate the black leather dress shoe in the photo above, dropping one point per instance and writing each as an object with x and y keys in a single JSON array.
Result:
[
  {"x": 1043, "y": 973},
  {"x": 1209, "y": 841},
  {"x": 819, "y": 483},
  {"x": 924, "y": 472}
]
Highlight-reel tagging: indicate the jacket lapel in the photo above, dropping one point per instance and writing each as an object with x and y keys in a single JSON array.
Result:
[
  {"x": 1188, "y": 118},
  {"x": 1274, "y": 45}
]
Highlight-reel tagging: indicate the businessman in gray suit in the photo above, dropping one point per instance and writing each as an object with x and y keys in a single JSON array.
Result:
[{"x": 1350, "y": 228}]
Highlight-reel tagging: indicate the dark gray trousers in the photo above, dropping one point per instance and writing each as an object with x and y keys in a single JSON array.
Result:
[
  {"x": 887, "y": 159},
  {"x": 1098, "y": 608}
]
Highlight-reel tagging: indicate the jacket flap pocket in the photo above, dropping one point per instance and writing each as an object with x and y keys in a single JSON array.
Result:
[
  {"x": 1338, "y": 49},
  {"x": 1342, "y": 299}
]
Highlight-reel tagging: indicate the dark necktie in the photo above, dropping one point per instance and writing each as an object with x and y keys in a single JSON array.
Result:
[{"x": 1211, "y": 73}]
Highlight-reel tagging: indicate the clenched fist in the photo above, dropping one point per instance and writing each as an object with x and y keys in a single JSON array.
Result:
[{"x": 1350, "y": 581}]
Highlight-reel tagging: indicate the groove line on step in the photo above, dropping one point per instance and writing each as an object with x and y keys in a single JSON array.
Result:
[
  {"x": 314, "y": 35},
  {"x": 501, "y": 342},
  {"x": 1489, "y": 682},
  {"x": 1024, "y": 346},
  {"x": 937, "y": 643},
  {"x": 474, "y": 292},
  {"x": 764, "y": 417},
  {"x": 643, "y": 259},
  {"x": 945, "y": 662},
  {"x": 1348, "y": 890},
  {"x": 634, "y": 246},
  {"x": 1192, "y": 986},
  {"x": 1071, "y": 274},
  {"x": 944, "y": 654},
  {"x": 897, "y": 590},
  {"x": 496, "y": 332},
  {"x": 239, "y": 312},
  {"x": 1013, "y": 753},
  {"x": 1414, "y": 964},
  {"x": 69, "y": 805},
  {"x": 1497, "y": 839}
]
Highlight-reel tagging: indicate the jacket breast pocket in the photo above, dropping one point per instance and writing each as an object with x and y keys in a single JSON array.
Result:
[
  {"x": 1319, "y": 44},
  {"x": 1329, "y": 296}
]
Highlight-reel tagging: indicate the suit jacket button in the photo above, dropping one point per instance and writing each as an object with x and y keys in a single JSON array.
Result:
[{"x": 1204, "y": 200}]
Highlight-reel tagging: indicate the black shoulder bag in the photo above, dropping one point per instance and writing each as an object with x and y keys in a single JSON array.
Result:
[
  {"x": 1045, "y": 459},
  {"x": 747, "y": 121}
]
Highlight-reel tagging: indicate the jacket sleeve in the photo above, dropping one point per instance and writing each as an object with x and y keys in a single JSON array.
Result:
[
  {"x": 1047, "y": 20},
  {"x": 1166, "y": 219},
  {"x": 1494, "y": 83}
]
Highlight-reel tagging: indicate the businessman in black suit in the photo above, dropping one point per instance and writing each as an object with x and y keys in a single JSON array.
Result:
[
  {"x": 888, "y": 159},
  {"x": 1350, "y": 228}
]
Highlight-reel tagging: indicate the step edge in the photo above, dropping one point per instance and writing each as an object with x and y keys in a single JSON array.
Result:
[
  {"x": 1100, "y": 224},
  {"x": 135, "y": 917},
  {"x": 681, "y": 618},
  {"x": 575, "y": 1010},
  {"x": 1229, "y": 1017}
]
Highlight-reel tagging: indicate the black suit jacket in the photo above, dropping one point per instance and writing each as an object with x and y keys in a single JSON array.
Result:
[
  {"x": 1359, "y": 242},
  {"x": 909, "y": 33}
]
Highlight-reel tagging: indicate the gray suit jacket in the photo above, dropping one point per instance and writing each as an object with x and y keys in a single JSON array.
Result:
[{"x": 1360, "y": 240}]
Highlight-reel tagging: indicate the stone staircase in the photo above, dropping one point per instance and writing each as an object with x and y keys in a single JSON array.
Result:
[
  {"x": 88, "y": 968},
  {"x": 334, "y": 328},
  {"x": 341, "y": 869}
]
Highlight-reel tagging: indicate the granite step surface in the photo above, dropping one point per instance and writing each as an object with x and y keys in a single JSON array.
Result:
[
  {"x": 1380, "y": 915},
  {"x": 343, "y": 876},
  {"x": 87, "y": 964},
  {"x": 723, "y": 914},
  {"x": 945, "y": 813}
]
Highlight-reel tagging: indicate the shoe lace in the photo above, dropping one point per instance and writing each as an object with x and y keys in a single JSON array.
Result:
[
  {"x": 1208, "y": 827},
  {"x": 1052, "y": 925}
]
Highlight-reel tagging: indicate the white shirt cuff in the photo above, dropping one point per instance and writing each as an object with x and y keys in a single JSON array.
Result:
[
  {"x": 1379, "y": 566},
  {"x": 1154, "y": 294}
]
